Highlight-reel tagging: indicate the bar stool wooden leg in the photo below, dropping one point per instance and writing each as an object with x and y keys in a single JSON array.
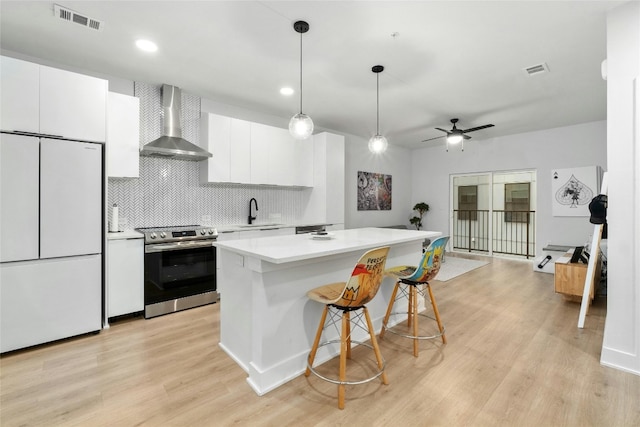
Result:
[
  {"x": 348, "y": 337},
  {"x": 416, "y": 347},
  {"x": 374, "y": 344},
  {"x": 409, "y": 307},
  {"x": 343, "y": 358},
  {"x": 437, "y": 314},
  {"x": 316, "y": 341},
  {"x": 385, "y": 321}
]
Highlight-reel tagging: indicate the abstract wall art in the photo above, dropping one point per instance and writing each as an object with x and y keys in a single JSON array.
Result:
[{"x": 374, "y": 191}]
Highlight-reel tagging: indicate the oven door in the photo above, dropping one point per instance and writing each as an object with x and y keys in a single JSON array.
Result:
[{"x": 177, "y": 270}]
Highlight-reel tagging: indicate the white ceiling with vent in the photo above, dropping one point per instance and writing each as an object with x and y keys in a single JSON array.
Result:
[{"x": 442, "y": 59}]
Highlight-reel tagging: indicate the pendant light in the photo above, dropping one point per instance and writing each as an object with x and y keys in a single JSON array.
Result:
[
  {"x": 301, "y": 125},
  {"x": 378, "y": 143}
]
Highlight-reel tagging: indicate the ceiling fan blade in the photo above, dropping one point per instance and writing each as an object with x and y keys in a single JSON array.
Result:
[
  {"x": 446, "y": 131},
  {"x": 477, "y": 128},
  {"x": 466, "y": 136},
  {"x": 431, "y": 139}
]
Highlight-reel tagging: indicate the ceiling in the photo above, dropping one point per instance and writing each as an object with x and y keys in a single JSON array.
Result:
[{"x": 442, "y": 59}]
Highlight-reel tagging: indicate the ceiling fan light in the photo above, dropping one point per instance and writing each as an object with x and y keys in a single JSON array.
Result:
[
  {"x": 301, "y": 126},
  {"x": 378, "y": 144},
  {"x": 454, "y": 138}
]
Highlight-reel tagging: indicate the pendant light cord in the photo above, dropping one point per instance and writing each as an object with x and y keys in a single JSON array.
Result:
[
  {"x": 377, "y": 103},
  {"x": 300, "y": 73}
]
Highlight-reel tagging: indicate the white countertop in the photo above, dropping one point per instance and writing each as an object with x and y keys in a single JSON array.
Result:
[
  {"x": 129, "y": 234},
  {"x": 283, "y": 249}
]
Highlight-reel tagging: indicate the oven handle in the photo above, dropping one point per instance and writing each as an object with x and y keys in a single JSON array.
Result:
[{"x": 163, "y": 247}]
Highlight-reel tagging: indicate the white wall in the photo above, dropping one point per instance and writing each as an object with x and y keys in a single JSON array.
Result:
[
  {"x": 621, "y": 341},
  {"x": 543, "y": 151},
  {"x": 396, "y": 161}
]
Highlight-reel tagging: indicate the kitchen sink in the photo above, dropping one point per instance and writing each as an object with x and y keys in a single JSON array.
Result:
[{"x": 259, "y": 225}]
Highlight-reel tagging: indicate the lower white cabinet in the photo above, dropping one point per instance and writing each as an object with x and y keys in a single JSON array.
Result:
[{"x": 125, "y": 276}]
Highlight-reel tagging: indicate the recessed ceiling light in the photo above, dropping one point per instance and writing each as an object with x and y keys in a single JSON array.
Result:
[
  {"x": 286, "y": 91},
  {"x": 146, "y": 45}
]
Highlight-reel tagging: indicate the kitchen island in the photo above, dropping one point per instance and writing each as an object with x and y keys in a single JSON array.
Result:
[{"x": 267, "y": 324}]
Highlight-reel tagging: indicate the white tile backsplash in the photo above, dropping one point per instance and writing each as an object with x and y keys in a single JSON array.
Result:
[{"x": 168, "y": 191}]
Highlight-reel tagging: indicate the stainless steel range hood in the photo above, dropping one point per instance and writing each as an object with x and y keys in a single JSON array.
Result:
[{"x": 171, "y": 144}]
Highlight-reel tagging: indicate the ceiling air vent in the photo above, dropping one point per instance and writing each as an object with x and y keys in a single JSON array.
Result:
[
  {"x": 537, "y": 69},
  {"x": 69, "y": 15}
]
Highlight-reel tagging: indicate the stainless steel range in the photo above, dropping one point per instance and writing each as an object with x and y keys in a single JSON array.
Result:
[{"x": 179, "y": 268}]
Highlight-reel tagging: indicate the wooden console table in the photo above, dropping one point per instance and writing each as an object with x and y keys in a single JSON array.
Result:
[{"x": 570, "y": 277}]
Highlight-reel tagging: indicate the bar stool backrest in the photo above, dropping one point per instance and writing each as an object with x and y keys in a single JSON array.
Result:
[
  {"x": 430, "y": 262},
  {"x": 365, "y": 280}
]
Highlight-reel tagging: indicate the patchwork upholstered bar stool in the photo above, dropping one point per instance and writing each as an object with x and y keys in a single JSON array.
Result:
[
  {"x": 411, "y": 281},
  {"x": 341, "y": 300}
]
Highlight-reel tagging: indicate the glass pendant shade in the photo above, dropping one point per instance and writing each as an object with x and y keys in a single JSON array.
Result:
[
  {"x": 301, "y": 126},
  {"x": 378, "y": 144}
]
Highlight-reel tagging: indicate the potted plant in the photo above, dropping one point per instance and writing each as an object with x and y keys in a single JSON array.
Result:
[{"x": 421, "y": 208}]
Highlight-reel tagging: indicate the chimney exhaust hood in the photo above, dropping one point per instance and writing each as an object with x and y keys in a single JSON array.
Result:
[{"x": 171, "y": 144}]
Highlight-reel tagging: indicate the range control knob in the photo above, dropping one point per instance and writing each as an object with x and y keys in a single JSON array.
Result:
[
  {"x": 202, "y": 232},
  {"x": 162, "y": 235},
  {"x": 152, "y": 235},
  {"x": 210, "y": 231}
]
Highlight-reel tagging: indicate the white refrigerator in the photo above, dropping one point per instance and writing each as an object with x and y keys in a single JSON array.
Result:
[{"x": 51, "y": 228}]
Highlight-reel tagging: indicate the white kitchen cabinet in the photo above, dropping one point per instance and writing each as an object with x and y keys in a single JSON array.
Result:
[
  {"x": 123, "y": 136},
  {"x": 125, "y": 273},
  {"x": 46, "y": 100},
  {"x": 19, "y": 95},
  {"x": 326, "y": 201},
  {"x": 47, "y": 300},
  {"x": 72, "y": 105},
  {"x": 229, "y": 140},
  {"x": 304, "y": 166},
  {"x": 261, "y": 137},
  {"x": 253, "y": 153}
]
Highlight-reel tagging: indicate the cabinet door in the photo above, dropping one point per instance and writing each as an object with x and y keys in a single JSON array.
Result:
[
  {"x": 47, "y": 300},
  {"x": 126, "y": 276},
  {"x": 72, "y": 105},
  {"x": 215, "y": 133},
  {"x": 19, "y": 181},
  {"x": 282, "y": 152},
  {"x": 70, "y": 198},
  {"x": 19, "y": 95},
  {"x": 123, "y": 136},
  {"x": 261, "y": 136},
  {"x": 239, "y": 151},
  {"x": 303, "y": 163}
]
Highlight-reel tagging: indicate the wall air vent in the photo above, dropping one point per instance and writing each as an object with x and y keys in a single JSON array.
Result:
[
  {"x": 69, "y": 15},
  {"x": 537, "y": 69}
]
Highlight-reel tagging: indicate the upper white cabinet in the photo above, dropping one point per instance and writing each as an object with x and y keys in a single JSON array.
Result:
[
  {"x": 123, "y": 136},
  {"x": 72, "y": 105},
  {"x": 229, "y": 140},
  {"x": 253, "y": 153},
  {"x": 19, "y": 95},
  {"x": 326, "y": 201},
  {"x": 45, "y": 100}
]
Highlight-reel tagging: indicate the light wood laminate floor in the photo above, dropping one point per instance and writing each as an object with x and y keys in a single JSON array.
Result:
[{"x": 514, "y": 358}]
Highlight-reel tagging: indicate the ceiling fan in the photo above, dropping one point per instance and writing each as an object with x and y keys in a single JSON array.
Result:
[{"x": 456, "y": 135}]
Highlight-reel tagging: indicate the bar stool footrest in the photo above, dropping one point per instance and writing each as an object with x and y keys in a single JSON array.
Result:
[
  {"x": 337, "y": 381},
  {"x": 419, "y": 337}
]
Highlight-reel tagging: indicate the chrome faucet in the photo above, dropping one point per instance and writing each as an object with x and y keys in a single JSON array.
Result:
[{"x": 251, "y": 217}]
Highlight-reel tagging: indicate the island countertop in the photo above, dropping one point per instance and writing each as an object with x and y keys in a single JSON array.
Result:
[{"x": 284, "y": 249}]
